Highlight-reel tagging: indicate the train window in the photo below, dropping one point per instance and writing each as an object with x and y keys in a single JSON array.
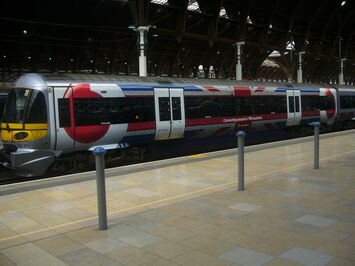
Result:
[
  {"x": 316, "y": 103},
  {"x": 203, "y": 107},
  {"x": 269, "y": 105},
  {"x": 347, "y": 102},
  {"x": 291, "y": 104},
  {"x": 98, "y": 111},
  {"x": 37, "y": 108},
  {"x": 277, "y": 104},
  {"x": 164, "y": 109},
  {"x": 229, "y": 106},
  {"x": 244, "y": 106},
  {"x": 328, "y": 103},
  {"x": 305, "y": 102},
  {"x": 138, "y": 109},
  {"x": 261, "y": 105},
  {"x": 211, "y": 107},
  {"x": 176, "y": 107},
  {"x": 297, "y": 102},
  {"x": 64, "y": 112},
  {"x": 207, "y": 107}
]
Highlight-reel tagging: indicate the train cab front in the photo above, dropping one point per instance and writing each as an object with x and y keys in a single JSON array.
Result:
[{"x": 24, "y": 131}]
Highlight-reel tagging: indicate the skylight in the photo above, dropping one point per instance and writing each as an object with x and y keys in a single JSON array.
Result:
[
  {"x": 275, "y": 54},
  {"x": 223, "y": 13},
  {"x": 269, "y": 63},
  {"x": 193, "y": 6},
  {"x": 160, "y": 2},
  {"x": 290, "y": 45}
]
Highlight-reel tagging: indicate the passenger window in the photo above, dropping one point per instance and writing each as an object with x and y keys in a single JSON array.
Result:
[
  {"x": 261, "y": 105},
  {"x": 347, "y": 102},
  {"x": 97, "y": 111}
]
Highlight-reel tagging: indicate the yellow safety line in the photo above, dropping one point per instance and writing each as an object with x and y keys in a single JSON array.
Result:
[
  {"x": 197, "y": 156},
  {"x": 168, "y": 198}
]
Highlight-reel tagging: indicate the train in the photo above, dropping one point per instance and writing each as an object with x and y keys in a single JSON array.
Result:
[
  {"x": 3, "y": 97},
  {"x": 55, "y": 122}
]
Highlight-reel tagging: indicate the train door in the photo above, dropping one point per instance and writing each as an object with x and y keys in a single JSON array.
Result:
[
  {"x": 294, "y": 112},
  {"x": 64, "y": 124},
  {"x": 170, "y": 113}
]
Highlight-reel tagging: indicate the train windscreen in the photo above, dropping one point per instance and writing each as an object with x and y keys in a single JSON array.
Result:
[{"x": 25, "y": 106}]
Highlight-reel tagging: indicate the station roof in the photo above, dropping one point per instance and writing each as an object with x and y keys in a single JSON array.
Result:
[{"x": 185, "y": 38}]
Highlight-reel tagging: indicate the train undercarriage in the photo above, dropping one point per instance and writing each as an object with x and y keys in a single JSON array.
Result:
[{"x": 85, "y": 161}]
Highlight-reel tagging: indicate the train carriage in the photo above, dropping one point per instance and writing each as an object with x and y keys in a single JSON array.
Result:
[{"x": 46, "y": 120}]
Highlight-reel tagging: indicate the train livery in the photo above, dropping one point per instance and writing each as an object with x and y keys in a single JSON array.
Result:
[{"x": 46, "y": 123}]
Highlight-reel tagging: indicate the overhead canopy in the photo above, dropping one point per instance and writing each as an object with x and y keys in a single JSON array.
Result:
[{"x": 186, "y": 37}]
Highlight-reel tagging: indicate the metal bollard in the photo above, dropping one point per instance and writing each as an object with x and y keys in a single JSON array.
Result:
[
  {"x": 99, "y": 153},
  {"x": 241, "y": 135},
  {"x": 316, "y": 126}
]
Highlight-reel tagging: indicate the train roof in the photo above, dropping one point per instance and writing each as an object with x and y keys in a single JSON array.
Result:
[
  {"x": 64, "y": 79},
  {"x": 92, "y": 78}
]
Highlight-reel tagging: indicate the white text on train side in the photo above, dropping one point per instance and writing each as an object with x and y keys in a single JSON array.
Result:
[{"x": 250, "y": 118}]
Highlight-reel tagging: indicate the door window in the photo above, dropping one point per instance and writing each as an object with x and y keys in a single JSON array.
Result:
[
  {"x": 164, "y": 108},
  {"x": 176, "y": 107},
  {"x": 291, "y": 104},
  {"x": 297, "y": 100}
]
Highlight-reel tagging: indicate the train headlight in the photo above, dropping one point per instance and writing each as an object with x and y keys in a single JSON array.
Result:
[{"x": 21, "y": 135}]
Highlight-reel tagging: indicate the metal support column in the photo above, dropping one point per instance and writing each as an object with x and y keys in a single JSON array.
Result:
[
  {"x": 341, "y": 74},
  {"x": 241, "y": 135},
  {"x": 299, "y": 70},
  {"x": 99, "y": 153},
  {"x": 239, "y": 75},
  {"x": 142, "y": 30},
  {"x": 316, "y": 126}
]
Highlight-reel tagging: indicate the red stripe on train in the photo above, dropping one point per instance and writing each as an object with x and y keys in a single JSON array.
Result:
[
  {"x": 141, "y": 126},
  {"x": 311, "y": 113},
  {"x": 210, "y": 88},
  {"x": 260, "y": 89},
  {"x": 330, "y": 113},
  {"x": 242, "y": 91}
]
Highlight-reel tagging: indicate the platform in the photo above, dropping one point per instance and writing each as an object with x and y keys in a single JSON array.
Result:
[{"x": 187, "y": 211}]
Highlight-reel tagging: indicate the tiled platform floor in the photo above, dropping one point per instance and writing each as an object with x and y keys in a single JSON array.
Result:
[{"x": 191, "y": 214}]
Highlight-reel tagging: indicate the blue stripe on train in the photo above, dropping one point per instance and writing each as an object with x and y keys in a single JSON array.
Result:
[
  {"x": 127, "y": 86},
  {"x": 317, "y": 91},
  {"x": 137, "y": 89},
  {"x": 193, "y": 89},
  {"x": 301, "y": 89}
]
